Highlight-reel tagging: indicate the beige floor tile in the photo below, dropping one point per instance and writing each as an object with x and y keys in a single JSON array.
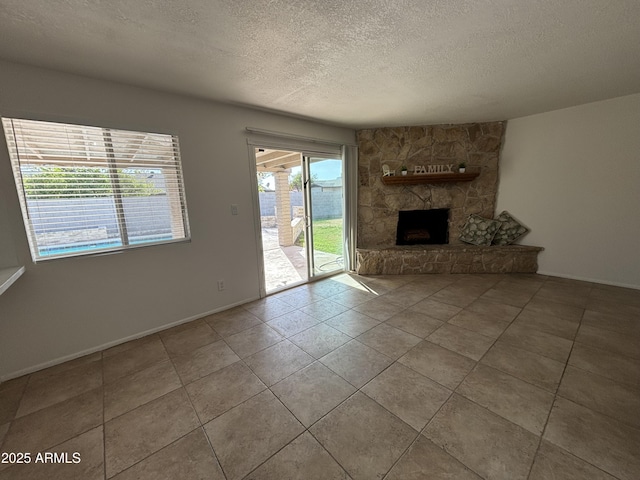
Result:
[
  {"x": 509, "y": 397},
  {"x": 465, "y": 342},
  {"x": 415, "y": 323},
  {"x": 320, "y": 340},
  {"x": 134, "y": 359},
  {"x": 268, "y": 308},
  {"x": 456, "y": 296},
  {"x": 328, "y": 287},
  {"x": 379, "y": 308},
  {"x": 299, "y": 297},
  {"x": 188, "y": 338},
  {"x": 10, "y": 397},
  {"x": 438, "y": 310},
  {"x": 20, "y": 382},
  {"x": 407, "y": 394},
  {"x": 530, "y": 281},
  {"x": 53, "y": 425},
  {"x": 3, "y": 432},
  {"x": 222, "y": 390},
  {"x": 304, "y": 458},
  {"x": 539, "y": 342},
  {"x": 601, "y": 362},
  {"x": 83, "y": 453},
  {"x": 481, "y": 281},
  {"x": 253, "y": 340},
  {"x": 324, "y": 309},
  {"x": 426, "y": 461},
  {"x": 433, "y": 283},
  {"x": 515, "y": 297},
  {"x": 203, "y": 361},
  {"x": 312, "y": 392},
  {"x": 363, "y": 437},
  {"x": 562, "y": 310},
  {"x": 44, "y": 391},
  {"x": 613, "y": 307},
  {"x": 356, "y": 363},
  {"x": 568, "y": 295},
  {"x": 406, "y": 295},
  {"x": 627, "y": 296},
  {"x": 485, "y": 442},
  {"x": 232, "y": 321},
  {"x": 352, "y": 323},
  {"x": 352, "y": 298},
  {"x": 499, "y": 311},
  {"x": 188, "y": 458},
  {"x": 602, "y": 395},
  {"x": 137, "y": 434},
  {"x": 134, "y": 390},
  {"x": 615, "y": 323},
  {"x": 618, "y": 343},
  {"x": 250, "y": 433},
  {"x": 548, "y": 324},
  {"x": 483, "y": 323},
  {"x": 608, "y": 444},
  {"x": 439, "y": 364},
  {"x": 389, "y": 340},
  {"x": 278, "y": 361},
  {"x": 292, "y": 323},
  {"x": 553, "y": 462},
  {"x": 530, "y": 367}
]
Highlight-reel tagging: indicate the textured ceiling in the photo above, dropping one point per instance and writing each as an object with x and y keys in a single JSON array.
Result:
[{"x": 352, "y": 63}]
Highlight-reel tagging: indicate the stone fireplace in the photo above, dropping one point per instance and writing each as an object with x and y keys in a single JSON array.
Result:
[
  {"x": 379, "y": 205},
  {"x": 477, "y": 145}
]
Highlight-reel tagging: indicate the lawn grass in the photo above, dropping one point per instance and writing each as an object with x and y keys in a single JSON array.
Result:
[{"x": 327, "y": 236}]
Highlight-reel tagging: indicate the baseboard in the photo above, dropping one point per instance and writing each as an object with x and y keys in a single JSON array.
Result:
[
  {"x": 104, "y": 346},
  {"x": 591, "y": 280}
]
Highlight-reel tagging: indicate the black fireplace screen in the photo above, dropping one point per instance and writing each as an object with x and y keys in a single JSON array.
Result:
[{"x": 417, "y": 227}]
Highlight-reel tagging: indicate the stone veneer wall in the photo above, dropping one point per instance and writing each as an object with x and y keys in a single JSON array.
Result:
[{"x": 477, "y": 144}]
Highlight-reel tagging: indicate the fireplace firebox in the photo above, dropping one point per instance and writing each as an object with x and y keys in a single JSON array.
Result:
[{"x": 416, "y": 227}]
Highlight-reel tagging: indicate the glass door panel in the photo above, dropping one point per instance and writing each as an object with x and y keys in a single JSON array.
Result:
[{"x": 325, "y": 214}]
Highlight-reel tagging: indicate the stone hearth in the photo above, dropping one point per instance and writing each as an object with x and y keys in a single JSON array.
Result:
[{"x": 415, "y": 259}]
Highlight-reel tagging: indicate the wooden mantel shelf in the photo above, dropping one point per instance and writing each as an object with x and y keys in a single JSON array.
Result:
[{"x": 413, "y": 179}]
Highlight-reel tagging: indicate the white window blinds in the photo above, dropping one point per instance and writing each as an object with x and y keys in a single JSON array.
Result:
[{"x": 87, "y": 189}]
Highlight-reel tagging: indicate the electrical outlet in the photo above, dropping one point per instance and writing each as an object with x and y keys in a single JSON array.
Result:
[
  {"x": 234, "y": 209},
  {"x": 221, "y": 285}
]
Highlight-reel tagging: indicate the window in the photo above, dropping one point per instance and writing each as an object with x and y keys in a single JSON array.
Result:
[{"x": 89, "y": 189}]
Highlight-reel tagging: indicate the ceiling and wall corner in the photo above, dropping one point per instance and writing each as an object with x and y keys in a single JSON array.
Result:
[{"x": 357, "y": 64}]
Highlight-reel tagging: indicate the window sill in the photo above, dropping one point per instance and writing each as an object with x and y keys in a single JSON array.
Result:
[{"x": 8, "y": 276}]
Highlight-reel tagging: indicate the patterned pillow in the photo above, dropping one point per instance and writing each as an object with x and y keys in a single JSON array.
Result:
[
  {"x": 510, "y": 230},
  {"x": 479, "y": 230}
]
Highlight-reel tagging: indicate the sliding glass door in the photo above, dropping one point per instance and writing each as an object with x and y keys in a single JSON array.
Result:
[{"x": 301, "y": 200}]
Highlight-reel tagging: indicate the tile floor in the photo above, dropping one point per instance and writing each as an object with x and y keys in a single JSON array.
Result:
[{"x": 398, "y": 377}]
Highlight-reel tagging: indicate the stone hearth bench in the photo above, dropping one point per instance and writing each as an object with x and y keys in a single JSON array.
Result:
[{"x": 456, "y": 258}]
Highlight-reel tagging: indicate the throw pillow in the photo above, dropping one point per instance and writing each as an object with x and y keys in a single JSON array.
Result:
[
  {"x": 510, "y": 229},
  {"x": 479, "y": 230}
]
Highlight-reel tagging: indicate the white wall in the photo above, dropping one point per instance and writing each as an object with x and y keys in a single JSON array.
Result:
[
  {"x": 61, "y": 308},
  {"x": 573, "y": 177}
]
